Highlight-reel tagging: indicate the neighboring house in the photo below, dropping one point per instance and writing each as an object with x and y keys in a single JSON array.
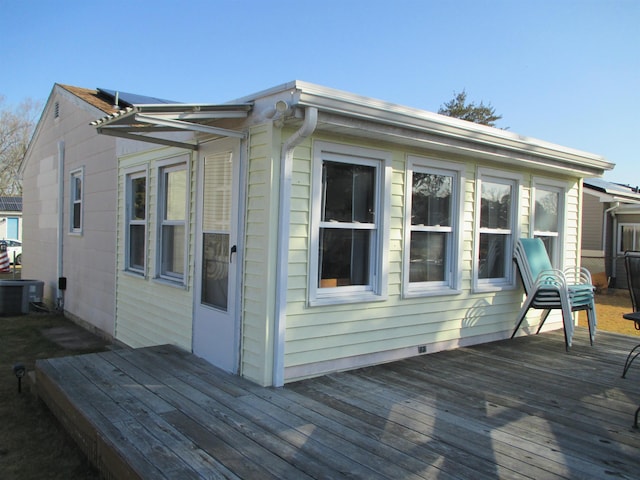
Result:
[
  {"x": 610, "y": 226},
  {"x": 69, "y": 176},
  {"x": 11, "y": 218},
  {"x": 305, "y": 230}
]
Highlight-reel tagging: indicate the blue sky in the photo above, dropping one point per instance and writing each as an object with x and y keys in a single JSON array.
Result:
[{"x": 565, "y": 71}]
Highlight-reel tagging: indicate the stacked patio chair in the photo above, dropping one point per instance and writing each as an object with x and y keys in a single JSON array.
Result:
[
  {"x": 549, "y": 289},
  {"x": 632, "y": 265}
]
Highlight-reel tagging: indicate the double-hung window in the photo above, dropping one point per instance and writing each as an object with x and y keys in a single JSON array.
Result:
[
  {"x": 548, "y": 215},
  {"x": 348, "y": 227},
  {"x": 497, "y": 199},
  {"x": 172, "y": 201},
  {"x": 432, "y": 222},
  {"x": 76, "y": 192},
  {"x": 136, "y": 227}
]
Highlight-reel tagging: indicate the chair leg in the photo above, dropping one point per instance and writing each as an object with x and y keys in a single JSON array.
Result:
[
  {"x": 630, "y": 358},
  {"x": 522, "y": 314},
  {"x": 591, "y": 321},
  {"x": 567, "y": 321},
  {"x": 635, "y": 418},
  {"x": 543, "y": 319}
]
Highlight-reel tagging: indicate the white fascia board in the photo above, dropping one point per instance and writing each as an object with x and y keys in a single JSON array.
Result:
[{"x": 350, "y": 105}]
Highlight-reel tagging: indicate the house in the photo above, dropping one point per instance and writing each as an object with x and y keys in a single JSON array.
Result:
[
  {"x": 11, "y": 218},
  {"x": 69, "y": 176},
  {"x": 611, "y": 226},
  {"x": 304, "y": 230}
]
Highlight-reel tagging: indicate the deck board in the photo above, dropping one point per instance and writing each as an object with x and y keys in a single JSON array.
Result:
[{"x": 515, "y": 409}]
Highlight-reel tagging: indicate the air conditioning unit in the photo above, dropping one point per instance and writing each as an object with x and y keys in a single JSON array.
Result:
[{"x": 17, "y": 295}]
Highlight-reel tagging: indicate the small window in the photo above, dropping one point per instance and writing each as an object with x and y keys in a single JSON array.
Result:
[
  {"x": 172, "y": 245},
  {"x": 628, "y": 237},
  {"x": 76, "y": 182},
  {"x": 431, "y": 246},
  {"x": 548, "y": 213},
  {"x": 349, "y": 215},
  {"x": 497, "y": 198},
  {"x": 136, "y": 243}
]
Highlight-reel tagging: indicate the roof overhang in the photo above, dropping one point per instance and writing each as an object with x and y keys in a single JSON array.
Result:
[
  {"x": 151, "y": 123},
  {"x": 361, "y": 116},
  {"x": 346, "y": 113}
]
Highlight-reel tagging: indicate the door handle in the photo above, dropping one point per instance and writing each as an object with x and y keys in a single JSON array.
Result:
[{"x": 234, "y": 249}]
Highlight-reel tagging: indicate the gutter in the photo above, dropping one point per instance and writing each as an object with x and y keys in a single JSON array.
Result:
[
  {"x": 60, "y": 271},
  {"x": 614, "y": 242},
  {"x": 282, "y": 263}
]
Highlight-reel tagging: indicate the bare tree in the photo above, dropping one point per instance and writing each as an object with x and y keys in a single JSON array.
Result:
[{"x": 16, "y": 129}]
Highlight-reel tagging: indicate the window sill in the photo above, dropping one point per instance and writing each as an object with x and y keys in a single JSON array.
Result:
[
  {"x": 493, "y": 287},
  {"x": 346, "y": 298},
  {"x": 170, "y": 283},
  {"x": 134, "y": 274},
  {"x": 432, "y": 292}
]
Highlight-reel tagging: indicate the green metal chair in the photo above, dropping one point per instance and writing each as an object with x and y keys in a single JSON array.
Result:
[
  {"x": 549, "y": 289},
  {"x": 632, "y": 265}
]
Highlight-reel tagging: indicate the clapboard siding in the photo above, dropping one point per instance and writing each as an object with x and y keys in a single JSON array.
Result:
[
  {"x": 260, "y": 248},
  {"x": 323, "y": 335},
  {"x": 150, "y": 312}
]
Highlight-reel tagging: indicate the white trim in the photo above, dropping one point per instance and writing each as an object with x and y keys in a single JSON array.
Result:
[
  {"x": 381, "y": 161},
  {"x": 284, "y": 229},
  {"x": 454, "y": 257},
  {"x": 73, "y": 174},
  {"x": 176, "y": 163},
  {"x": 514, "y": 180},
  {"x": 636, "y": 235},
  {"x": 562, "y": 188},
  {"x": 129, "y": 175},
  {"x": 428, "y": 128}
]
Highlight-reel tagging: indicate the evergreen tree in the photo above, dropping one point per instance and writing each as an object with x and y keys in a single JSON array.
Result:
[{"x": 459, "y": 108}]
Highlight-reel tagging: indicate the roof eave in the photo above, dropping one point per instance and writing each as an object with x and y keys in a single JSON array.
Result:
[{"x": 411, "y": 119}]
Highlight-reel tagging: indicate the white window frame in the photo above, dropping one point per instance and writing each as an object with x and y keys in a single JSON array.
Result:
[
  {"x": 376, "y": 290},
  {"x": 508, "y": 281},
  {"x": 636, "y": 227},
  {"x": 174, "y": 164},
  {"x": 131, "y": 175},
  {"x": 75, "y": 199},
  {"x": 453, "y": 269},
  {"x": 561, "y": 189}
]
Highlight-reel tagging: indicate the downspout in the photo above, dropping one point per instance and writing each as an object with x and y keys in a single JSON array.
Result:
[
  {"x": 60, "y": 270},
  {"x": 614, "y": 249},
  {"x": 284, "y": 215}
]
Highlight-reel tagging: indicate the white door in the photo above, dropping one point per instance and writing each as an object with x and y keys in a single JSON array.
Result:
[{"x": 216, "y": 326}]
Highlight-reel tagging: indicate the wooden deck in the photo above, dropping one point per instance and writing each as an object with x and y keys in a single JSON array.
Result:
[{"x": 514, "y": 409}]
